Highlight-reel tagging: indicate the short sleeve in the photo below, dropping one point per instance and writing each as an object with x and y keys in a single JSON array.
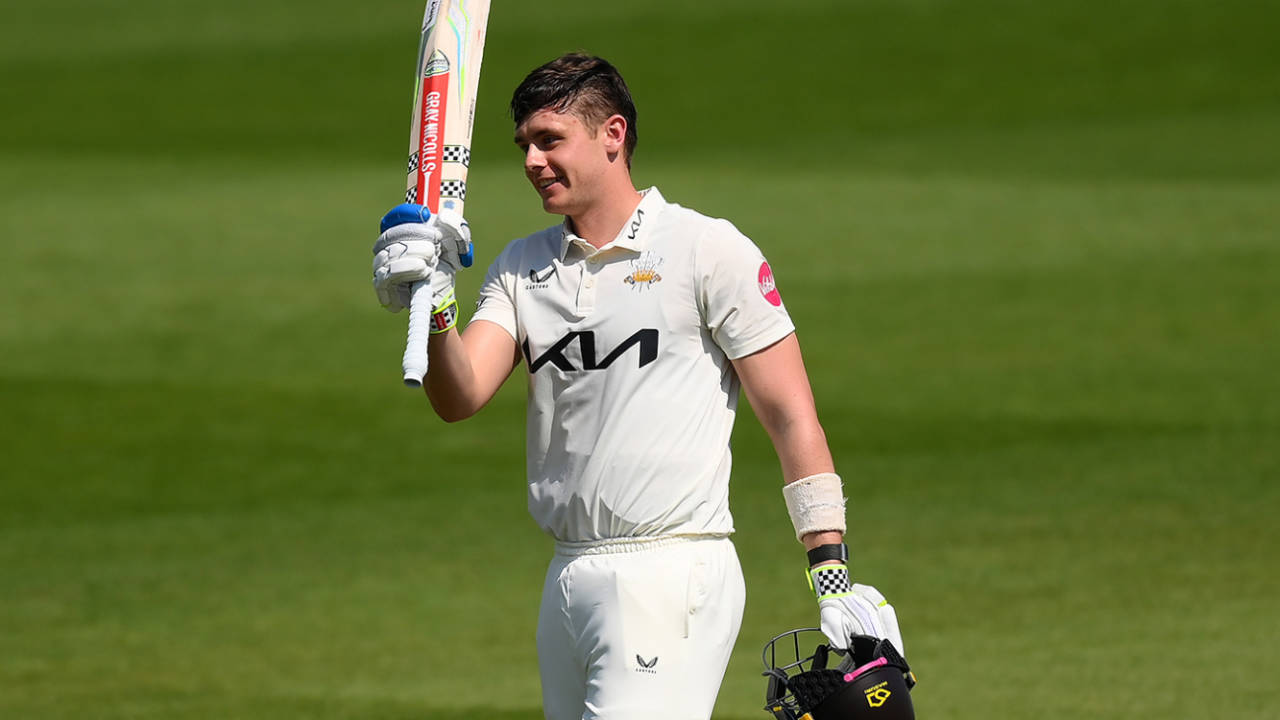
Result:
[
  {"x": 496, "y": 302},
  {"x": 737, "y": 293}
]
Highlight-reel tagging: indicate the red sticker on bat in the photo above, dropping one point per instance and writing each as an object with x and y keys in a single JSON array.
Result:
[
  {"x": 768, "y": 288},
  {"x": 435, "y": 93}
]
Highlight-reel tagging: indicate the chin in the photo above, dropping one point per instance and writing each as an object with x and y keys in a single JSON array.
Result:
[{"x": 555, "y": 205}]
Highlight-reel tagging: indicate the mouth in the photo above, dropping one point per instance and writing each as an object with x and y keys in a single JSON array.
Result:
[{"x": 544, "y": 184}]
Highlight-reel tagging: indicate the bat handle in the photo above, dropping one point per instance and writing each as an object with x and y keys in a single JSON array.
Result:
[{"x": 415, "y": 348}]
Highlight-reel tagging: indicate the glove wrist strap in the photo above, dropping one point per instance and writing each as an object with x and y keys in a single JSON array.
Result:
[
  {"x": 445, "y": 316},
  {"x": 829, "y": 581},
  {"x": 829, "y": 552}
]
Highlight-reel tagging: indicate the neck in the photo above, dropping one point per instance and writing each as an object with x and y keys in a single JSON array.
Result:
[{"x": 601, "y": 223}]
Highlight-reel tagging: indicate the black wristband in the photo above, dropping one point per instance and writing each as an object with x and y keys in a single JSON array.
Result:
[{"x": 832, "y": 551}]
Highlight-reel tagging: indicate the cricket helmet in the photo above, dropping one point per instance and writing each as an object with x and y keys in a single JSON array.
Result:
[{"x": 870, "y": 680}]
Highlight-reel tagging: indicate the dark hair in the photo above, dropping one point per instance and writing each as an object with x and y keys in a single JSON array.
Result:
[{"x": 585, "y": 85}]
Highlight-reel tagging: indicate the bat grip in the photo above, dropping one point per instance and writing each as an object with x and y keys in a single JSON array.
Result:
[{"x": 415, "y": 348}]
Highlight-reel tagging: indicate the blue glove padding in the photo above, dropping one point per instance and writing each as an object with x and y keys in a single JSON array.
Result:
[{"x": 413, "y": 212}]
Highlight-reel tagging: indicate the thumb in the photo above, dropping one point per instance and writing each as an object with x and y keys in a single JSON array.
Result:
[{"x": 835, "y": 625}]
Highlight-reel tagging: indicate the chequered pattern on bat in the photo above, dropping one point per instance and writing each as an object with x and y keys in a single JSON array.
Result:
[
  {"x": 457, "y": 154},
  {"x": 413, "y": 162},
  {"x": 411, "y": 195},
  {"x": 453, "y": 189}
]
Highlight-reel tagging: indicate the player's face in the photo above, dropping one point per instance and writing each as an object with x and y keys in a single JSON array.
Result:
[{"x": 563, "y": 159}]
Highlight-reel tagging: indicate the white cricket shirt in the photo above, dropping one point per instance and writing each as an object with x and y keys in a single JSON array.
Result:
[{"x": 631, "y": 393}]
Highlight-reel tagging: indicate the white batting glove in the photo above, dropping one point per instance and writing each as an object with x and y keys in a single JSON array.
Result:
[
  {"x": 846, "y": 609},
  {"x": 414, "y": 251},
  {"x": 455, "y": 238}
]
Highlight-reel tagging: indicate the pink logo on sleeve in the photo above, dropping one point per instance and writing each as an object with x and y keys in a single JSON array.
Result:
[{"x": 768, "y": 288}]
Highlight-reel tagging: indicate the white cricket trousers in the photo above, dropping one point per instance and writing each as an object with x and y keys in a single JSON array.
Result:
[{"x": 638, "y": 629}]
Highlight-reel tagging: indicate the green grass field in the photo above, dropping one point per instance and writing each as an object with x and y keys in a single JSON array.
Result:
[{"x": 1033, "y": 250}]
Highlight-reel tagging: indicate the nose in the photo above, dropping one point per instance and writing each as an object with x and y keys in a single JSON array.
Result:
[{"x": 534, "y": 159}]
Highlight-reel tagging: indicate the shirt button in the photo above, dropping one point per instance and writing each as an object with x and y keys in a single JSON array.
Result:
[{"x": 591, "y": 282}]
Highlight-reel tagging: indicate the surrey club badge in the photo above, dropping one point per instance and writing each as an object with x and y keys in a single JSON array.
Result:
[{"x": 644, "y": 271}]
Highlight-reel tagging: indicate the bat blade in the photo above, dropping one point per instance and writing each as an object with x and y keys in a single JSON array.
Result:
[{"x": 448, "y": 76}]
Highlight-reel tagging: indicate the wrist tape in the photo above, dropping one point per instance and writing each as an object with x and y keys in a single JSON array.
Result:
[
  {"x": 829, "y": 581},
  {"x": 815, "y": 503},
  {"x": 445, "y": 316}
]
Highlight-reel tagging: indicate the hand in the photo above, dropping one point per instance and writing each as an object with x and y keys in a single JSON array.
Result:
[
  {"x": 455, "y": 239},
  {"x": 412, "y": 251},
  {"x": 845, "y": 610}
]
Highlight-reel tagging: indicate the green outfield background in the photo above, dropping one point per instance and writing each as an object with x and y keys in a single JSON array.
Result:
[{"x": 1032, "y": 248}]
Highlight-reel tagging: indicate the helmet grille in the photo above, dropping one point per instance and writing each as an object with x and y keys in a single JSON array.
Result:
[{"x": 812, "y": 687}]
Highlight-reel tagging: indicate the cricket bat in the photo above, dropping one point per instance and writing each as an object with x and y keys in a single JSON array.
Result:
[{"x": 444, "y": 108}]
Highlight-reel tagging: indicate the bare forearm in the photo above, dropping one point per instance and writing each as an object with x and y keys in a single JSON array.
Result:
[
  {"x": 450, "y": 377},
  {"x": 802, "y": 448},
  {"x": 467, "y": 368},
  {"x": 778, "y": 388},
  {"x": 802, "y": 451}
]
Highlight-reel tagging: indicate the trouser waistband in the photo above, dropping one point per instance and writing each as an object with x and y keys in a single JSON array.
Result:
[{"x": 628, "y": 545}]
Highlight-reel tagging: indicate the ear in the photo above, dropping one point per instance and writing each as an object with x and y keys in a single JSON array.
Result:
[{"x": 615, "y": 133}]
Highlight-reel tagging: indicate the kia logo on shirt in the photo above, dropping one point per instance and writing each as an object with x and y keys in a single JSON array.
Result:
[
  {"x": 636, "y": 223},
  {"x": 646, "y": 339}
]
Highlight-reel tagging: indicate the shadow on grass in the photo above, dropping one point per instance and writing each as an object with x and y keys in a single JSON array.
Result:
[
  {"x": 180, "y": 705},
  {"x": 413, "y": 711},
  {"x": 419, "y": 712}
]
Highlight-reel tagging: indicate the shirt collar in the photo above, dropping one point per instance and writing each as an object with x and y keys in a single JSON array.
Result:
[{"x": 634, "y": 234}]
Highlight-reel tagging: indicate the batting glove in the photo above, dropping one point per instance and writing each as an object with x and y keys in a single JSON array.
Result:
[
  {"x": 846, "y": 609},
  {"x": 414, "y": 251}
]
